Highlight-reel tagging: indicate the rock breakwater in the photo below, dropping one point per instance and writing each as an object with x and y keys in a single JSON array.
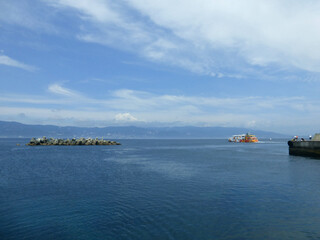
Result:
[{"x": 69, "y": 142}]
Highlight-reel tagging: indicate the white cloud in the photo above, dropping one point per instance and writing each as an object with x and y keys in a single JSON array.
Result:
[
  {"x": 98, "y": 10},
  {"x": 126, "y": 106},
  {"x": 213, "y": 37},
  {"x": 259, "y": 31},
  {"x": 145, "y": 103},
  {"x": 125, "y": 117},
  {"x": 5, "y": 60},
  {"x": 57, "y": 89},
  {"x": 208, "y": 35}
]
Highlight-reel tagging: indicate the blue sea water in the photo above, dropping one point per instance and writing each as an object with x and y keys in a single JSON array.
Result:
[{"x": 158, "y": 189}]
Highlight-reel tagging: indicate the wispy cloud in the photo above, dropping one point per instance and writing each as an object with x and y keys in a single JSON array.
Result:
[
  {"x": 126, "y": 106},
  {"x": 216, "y": 38},
  {"x": 5, "y": 60},
  {"x": 57, "y": 89},
  {"x": 34, "y": 15},
  {"x": 210, "y": 36},
  {"x": 97, "y": 10},
  {"x": 126, "y": 100}
]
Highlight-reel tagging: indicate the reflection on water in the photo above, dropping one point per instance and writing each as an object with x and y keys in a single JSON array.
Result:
[{"x": 158, "y": 189}]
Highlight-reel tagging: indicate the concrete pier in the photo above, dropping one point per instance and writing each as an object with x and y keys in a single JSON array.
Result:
[{"x": 310, "y": 148}]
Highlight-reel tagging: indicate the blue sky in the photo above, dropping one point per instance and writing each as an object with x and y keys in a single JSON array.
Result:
[{"x": 239, "y": 63}]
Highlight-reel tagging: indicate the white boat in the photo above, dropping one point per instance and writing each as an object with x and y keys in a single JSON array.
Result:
[{"x": 237, "y": 138}]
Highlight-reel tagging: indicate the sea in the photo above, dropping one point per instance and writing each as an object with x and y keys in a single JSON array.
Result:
[{"x": 158, "y": 189}]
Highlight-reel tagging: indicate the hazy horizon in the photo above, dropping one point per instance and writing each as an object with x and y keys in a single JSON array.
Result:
[{"x": 212, "y": 131}]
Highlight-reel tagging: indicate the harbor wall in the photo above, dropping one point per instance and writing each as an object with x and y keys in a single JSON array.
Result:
[{"x": 304, "y": 148}]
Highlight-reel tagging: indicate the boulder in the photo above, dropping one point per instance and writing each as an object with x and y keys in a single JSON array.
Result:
[{"x": 67, "y": 142}]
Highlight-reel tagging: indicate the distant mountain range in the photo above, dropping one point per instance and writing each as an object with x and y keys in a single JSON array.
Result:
[{"x": 15, "y": 130}]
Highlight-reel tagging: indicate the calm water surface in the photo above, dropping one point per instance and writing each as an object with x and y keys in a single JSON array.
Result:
[{"x": 158, "y": 189}]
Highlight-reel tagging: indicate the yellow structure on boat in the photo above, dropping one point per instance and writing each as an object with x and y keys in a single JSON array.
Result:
[{"x": 244, "y": 138}]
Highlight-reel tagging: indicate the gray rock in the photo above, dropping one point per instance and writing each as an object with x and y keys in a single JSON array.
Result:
[{"x": 67, "y": 142}]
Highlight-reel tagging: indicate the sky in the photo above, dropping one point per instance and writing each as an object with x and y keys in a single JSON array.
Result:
[{"x": 98, "y": 63}]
